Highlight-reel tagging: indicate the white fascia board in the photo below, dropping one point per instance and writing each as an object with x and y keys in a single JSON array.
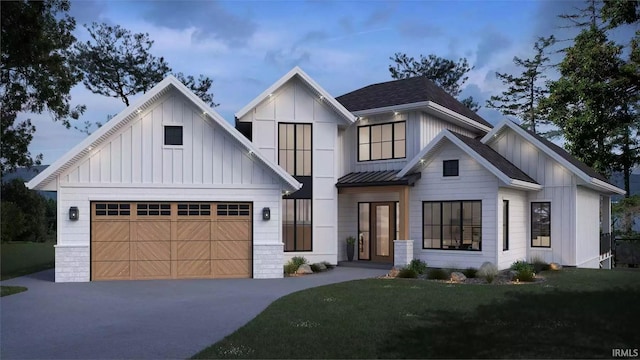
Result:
[
  {"x": 608, "y": 188},
  {"x": 97, "y": 136},
  {"x": 337, "y": 107},
  {"x": 524, "y": 185},
  {"x": 428, "y": 106},
  {"x": 80, "y": 150}
]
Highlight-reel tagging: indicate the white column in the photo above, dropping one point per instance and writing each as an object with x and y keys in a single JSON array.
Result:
[{"x": 402, "y": 253}]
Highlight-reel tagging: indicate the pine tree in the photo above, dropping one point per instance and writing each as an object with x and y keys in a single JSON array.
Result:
[{"x": 524, "y": 92}]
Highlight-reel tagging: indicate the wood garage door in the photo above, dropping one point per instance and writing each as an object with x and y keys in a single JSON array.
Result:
[{"x": 170, "y": 240}]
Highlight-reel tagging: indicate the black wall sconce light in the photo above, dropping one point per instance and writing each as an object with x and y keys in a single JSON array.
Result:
[
  {"x": 74, "y": 214},
  {"x": 266, "y": 214}
]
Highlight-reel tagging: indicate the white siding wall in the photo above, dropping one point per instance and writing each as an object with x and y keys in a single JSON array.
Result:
[
  {"x": 587, "y": 228},
  {"x": 559, "y": 189},
  {"x": 431, "y": 126},
  {"x": 294, "y": 102},
  {"x": 137, "y": 154},
  {"x": 518, "y": 225},
  {"x": 474, "y": 183},
  {"x": 351, "y": 145}
]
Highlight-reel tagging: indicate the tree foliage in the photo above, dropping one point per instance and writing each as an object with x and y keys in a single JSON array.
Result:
[
  {"x": 447, "y": 74},
  {"x": 525, "y": 91},
  {"x": 118, "y": 63},
  {"x": 26, "y": 215},
  {"x": 618, "y": 12},
  {"x": 35, "y": 75}
]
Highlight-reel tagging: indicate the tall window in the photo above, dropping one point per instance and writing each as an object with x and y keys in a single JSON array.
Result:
[
  {"x": 381, "y": 142},
  {"x": 505, "y": 225},
  {"x": 452, "y": 225},
  {"x": 540, "y": 224},
  {"x": 294, "y": 155}
]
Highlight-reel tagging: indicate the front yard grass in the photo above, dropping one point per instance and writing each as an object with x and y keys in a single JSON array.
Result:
[
  {"x": 10, "y": 290},
  {"x": 22, "y": 258},
  {"x": 576, "y": 313}
]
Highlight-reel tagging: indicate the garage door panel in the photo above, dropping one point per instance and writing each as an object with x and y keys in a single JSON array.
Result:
[
  {"x": 152, "y": 250},
  {"x": 193, "y": 250},
  {"x": 111, "y": 270},
  {"x": 110, "y": 231},
  {"x": 232, "y": 250},
  {"x": 110, "y": 251},
  {"x": 194, "y": 268},
  {"x": 234, "y": 230},
  {"x": 152, "y": 269},
  {"x": 231, "y": 268},
  {"x": 153, "y": 230},
  {"x": 194, "y": 230},
  {"x": 212, "y": 240}
]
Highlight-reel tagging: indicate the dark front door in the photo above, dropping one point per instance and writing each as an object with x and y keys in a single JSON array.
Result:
[{"x": 382, "y": 225}]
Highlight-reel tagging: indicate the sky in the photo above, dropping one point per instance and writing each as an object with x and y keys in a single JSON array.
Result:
[{"x": 245, "y": 46}]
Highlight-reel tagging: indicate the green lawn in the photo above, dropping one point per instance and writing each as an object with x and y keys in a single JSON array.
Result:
[
  {"x": 10, "y": 290},
  {"x": 17, "y": 259},
  {"x": 576, "y": 313}
]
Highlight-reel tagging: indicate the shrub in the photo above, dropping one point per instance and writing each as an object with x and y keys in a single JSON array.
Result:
[
  {"x": 539, "y": 265},
  {"x": 317, "y": 268},
  {"x": 417, "y": 265},
  {"x": 470, "y": 272},
  {"x": 525, "y": 275},
  {"x": 293, "y": 264},
  {"x": 488, "y": 271},
  {"x": 521, "y": 265},
  {"x": 438, "y": 274},
  {"x": 328, "y": 265},
  {"x": 407, "y": 272}
]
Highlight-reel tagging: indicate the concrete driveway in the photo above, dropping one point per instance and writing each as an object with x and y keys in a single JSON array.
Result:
[{"x": 138, "y": 319}]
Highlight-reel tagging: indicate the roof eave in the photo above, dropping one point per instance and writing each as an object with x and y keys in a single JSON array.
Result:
[
  {"x": 427, "y": 106},
  {"x": 608, "y": 188},
  {"x": 524, "y": 185}
]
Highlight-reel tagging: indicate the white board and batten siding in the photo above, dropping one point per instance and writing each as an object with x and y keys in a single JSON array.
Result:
[
  {"x": 559, "y": 188},
  {"x": 518, "y": 225},
  {"x": 135, "y": 165},
  {"x": 587, "y": 228},
  {"x": 294, "y": 102},
  {"x": 431, "y": 126},
  {"x": 473, "y": 183}
]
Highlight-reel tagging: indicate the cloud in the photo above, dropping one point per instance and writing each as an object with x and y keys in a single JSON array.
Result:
[
  {"x": 209, "y": 19},
  {"x": 419, "y": 30},
  {"x": 491, "y": 42},
  {"x": 379, "y": 16},
  {"x": 87, "y": 11}
]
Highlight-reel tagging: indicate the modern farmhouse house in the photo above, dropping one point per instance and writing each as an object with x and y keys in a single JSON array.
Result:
[{"x": 169, "y": 189}]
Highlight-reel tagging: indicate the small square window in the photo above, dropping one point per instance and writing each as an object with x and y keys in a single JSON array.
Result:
[
  {"x": 450, "y": 168},
  {"x": 173, "y": 135}
]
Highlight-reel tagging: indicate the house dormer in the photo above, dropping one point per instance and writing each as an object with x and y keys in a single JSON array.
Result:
[{"x": 396, "y": 119}]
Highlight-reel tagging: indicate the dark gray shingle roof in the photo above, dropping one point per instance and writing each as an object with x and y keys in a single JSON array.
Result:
[
  {"x": 404, "y": 91},
  {"x": 495, "y": 159}
]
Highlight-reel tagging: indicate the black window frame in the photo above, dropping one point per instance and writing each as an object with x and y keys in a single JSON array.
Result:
[
  {"x": 505, "y": 225},
  {"x": 461, "y": 226},
  {"x": 169, "y": 136},
  {"x": 448, "y": 170},
  {"x": 393, "y": 141},
  {"x": 306, "y": 193},
  {"x": 532, "y": 227}
]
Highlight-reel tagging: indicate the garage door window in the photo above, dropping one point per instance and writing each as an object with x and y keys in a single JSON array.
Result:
[
  {"x": 194, "y": 209},
  {"x": 233, "y": 210},
  {"x": 154, "y": 209},
  {"x": 112, "y": 209}
]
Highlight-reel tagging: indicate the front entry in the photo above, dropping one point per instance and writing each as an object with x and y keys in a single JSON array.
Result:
[{"x": 377, "y": 230}]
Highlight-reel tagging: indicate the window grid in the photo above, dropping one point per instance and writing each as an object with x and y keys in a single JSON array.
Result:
[
  {"x": 294, "y": 148},
  {"x": 173, "y": 135},
  {"x": 505, "y": 225},
  {"x": 113, "y": 209},
  {"x": 450, "y": 168},
  {"x": 194, "y": 209},
  {"x": 382, "y": 141},
  {"x": 153, "y": 209},
  {"x": 541, "y": 224},
  {"x": 452, "y": 225},
  {"x": 233, "y": 210},
  {"x": 297, "y": 225}
]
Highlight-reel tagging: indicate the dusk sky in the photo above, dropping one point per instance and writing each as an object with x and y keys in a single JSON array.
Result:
[{"x": 245, "y": 46}]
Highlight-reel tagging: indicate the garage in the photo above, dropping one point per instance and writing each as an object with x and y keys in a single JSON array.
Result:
[{"x": 170, "y": 240}]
